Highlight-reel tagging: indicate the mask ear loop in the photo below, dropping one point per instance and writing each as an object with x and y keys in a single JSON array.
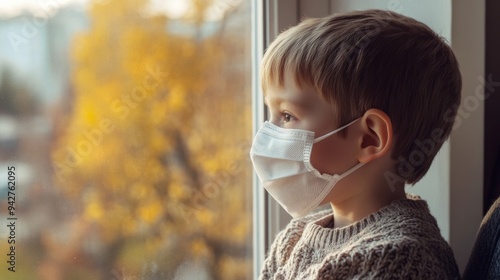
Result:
[
  {"x": 354, "y": 168},
  {"x": 333, "y": 132}
]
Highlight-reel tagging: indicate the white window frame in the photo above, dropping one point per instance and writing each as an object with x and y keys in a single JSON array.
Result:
[
  {"x": 258, "y": 115},
  {"x": 269, "y": 17}
]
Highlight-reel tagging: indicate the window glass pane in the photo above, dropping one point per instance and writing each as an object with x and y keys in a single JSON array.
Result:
[{"x": 125, "y": 126}]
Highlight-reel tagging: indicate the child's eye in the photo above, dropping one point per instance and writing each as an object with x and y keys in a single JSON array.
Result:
[{"x": 288, "y": 118}]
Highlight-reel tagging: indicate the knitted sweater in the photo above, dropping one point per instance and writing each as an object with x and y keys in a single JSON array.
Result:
[
  {"x": 399, "y": 241},
  {"x": 484, "y": 261}
]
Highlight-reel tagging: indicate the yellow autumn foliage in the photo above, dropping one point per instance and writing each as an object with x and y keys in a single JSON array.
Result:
[{"x": 156, "y": 150}]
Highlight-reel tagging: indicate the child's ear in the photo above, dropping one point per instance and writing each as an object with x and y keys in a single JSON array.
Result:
[{"x": 376, "y": 138}]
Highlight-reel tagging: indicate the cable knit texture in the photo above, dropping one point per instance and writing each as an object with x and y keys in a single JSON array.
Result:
[{"x": 400, "y": 241}]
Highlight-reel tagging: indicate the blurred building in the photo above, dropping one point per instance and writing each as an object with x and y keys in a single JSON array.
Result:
[{"x": 36, "y": 49}]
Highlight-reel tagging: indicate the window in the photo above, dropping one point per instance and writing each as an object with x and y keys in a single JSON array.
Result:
[{"x": 124, "y": 135}]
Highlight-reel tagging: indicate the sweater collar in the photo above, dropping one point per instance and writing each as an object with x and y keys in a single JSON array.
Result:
[{"x": 317, "y": 233}]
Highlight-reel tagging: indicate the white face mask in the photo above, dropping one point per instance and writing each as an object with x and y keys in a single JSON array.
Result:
[{"x": 282, "y": 159}]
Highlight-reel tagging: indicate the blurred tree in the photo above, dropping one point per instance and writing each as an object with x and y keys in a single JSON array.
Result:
[{"x": 154, "y": 159}]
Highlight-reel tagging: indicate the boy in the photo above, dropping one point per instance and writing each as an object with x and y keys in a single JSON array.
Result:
[{"x": 353, "y": 99}]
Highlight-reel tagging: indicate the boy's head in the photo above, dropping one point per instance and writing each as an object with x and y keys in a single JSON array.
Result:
[{"x": 375, "y": 59}]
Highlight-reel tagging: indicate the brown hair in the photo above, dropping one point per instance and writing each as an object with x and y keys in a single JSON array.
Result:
[{"x": 375, "y": 59}]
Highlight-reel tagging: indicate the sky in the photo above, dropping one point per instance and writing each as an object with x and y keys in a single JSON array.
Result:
[{"x": 12, "y": 8}]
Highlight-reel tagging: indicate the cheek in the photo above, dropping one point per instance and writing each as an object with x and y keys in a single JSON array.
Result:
[{"x": 332, "y": 156}]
